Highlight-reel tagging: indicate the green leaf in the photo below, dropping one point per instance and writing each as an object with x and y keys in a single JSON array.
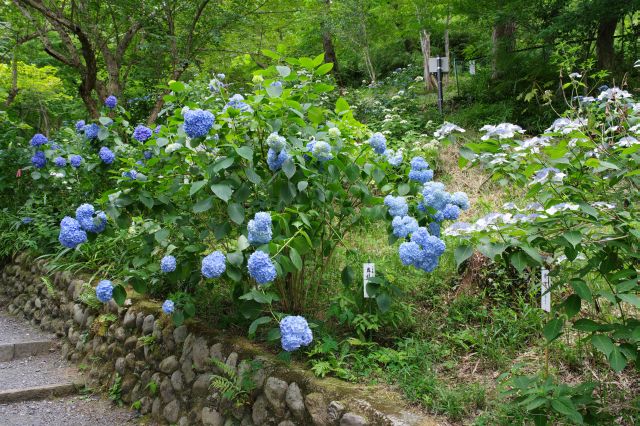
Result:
[
  {"x": 236, "y": 213},
  {"x": 245, "y": 152},
  {"x": 552, "y": 329},
  {"x": 565, "y": 406},
  {"x": 582, "y": 289},
  {"x": 161, "y": 235},
  {"x": 105, "y": 121},
  {"x": 223, "y": 163},
  {"x": 252, "y": 176},
  {"x": 348, "y": 276},
  {"x": 203, "y": 205},
  {"x": 630, "y": 298},
  {"x": 289, "y": 168},
  {"x": 324, "y": 68},
  {"x": 462, "y": 253},
  {"x": 403, "y": 189},
  {"x": 519, "y": 260},
  {"x": 147, "y": 201},
  {"x": 119, "y": 294},
  {"x": 491, "y": 250},
  {"x": 384, "y": 302},
  {"x": 295, "y": 258},
  {"x": 617, "y": 361},
  {"x": 588, "y": 325},
  {"x": 302, "y": 185},
  {"x": 342, "y": 106},
  {"x": 573, "y": 237},
  {"x": 222, "y": 191},
  {"x": 533, "y": 253},
  {"x": 177, "y": 86},
  {"x": 178, "y": 318},
  {"x": 257, "y": 322},
  {"x": 602, "y": 343},
  {"x": 197, "y": 186},
  {"x": 572, "y": 305}
]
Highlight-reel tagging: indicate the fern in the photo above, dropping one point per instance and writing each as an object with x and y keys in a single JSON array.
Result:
[{"x": 230, "y": 385}]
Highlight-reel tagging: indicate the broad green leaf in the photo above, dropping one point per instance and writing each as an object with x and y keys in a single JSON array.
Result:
[
  {"x": 236, "y": 213},
  {"x": 552, "y": 329},
  {"x": 197, "y": 186},
  {"x": 289, "y": 168},
  {"x": 572, "y": 305},
  {"x": 462, "y": 253},
  {"x": 283, "y": 70},
  {"x": 222, "y": 191},
  {"x": 252, "y": 176},
  {"x": 161, "y": 235},
  {"x": 617, "y": 361},
  {"x": 295, "y": 258},
  {"x": 177, "y": 86},
  {"x": 257, "y": 322},
  {"x": 324, "y": 68},
  {"x": 518, "y": 260},
  {"x": 274, "y": 91},
  {"x": 602, "y": 343},
  {"x": 245, "y": 152},
  {"x": 203, "y": 205},
  {"x": 582, "y": 289},
  {"x": 342, "y": 106},
  {"x": 119, "y": 295},
  {"x": 384, "y": 302},
  {"x": 632, "y": 299},
  {"x": 573, "y": 237},
  {"x": 348, "y": 276}
]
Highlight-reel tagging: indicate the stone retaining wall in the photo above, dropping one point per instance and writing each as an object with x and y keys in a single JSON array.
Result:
[{"x": 167, "y": 372}]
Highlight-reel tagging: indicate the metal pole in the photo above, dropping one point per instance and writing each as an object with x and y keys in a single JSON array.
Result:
[
  {"x": 439, "y": 62},
  {"x": 455, "y": 70}
]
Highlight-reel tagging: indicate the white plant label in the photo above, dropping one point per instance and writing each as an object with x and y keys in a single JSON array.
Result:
[
  {"x": 368, "y": 271},
  {"x": 545, "y": 290}
]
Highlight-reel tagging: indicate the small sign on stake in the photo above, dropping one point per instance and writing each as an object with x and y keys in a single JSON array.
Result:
[
  {"x": 368, "y": 271},
  {"x": 545, "y": 290}
]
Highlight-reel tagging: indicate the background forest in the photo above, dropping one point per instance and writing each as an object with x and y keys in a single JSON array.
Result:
[{"x": 466, "y": 342}]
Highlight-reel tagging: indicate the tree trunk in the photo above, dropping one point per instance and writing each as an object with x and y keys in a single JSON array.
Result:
[
  {"x": 504, "y": 43},
  {"x": 425, "y": 46},
  {"x": 327, "y": 41},
  {"x": 604, "y": 43},
  {"x": 446, "y": 47},
  {"x": 367, "y": 61},
  {"x": 13, "y": 92}
]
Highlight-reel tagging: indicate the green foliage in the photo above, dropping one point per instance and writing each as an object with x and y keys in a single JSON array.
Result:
[
  {"x": 231, "y": 385},
  {"x": 115, "y": 391}
]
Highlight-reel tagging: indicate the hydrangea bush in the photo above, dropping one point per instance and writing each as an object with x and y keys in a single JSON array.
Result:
[
  {"x": 578, "y": 218},
  {"x": 252, "y": 190}
]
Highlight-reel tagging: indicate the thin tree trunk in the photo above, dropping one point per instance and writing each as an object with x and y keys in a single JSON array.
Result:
[
  {"x": 446, "y": 46},
  {"x": 13, "y": 92},
  {"x": 503, "y": 39},
  {"x": 425, "y": 46},
  {"x": 327, "y": 41},
  {"x": 604, "y": 43}
]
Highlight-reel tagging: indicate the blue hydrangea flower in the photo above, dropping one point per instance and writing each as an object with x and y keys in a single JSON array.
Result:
[
  {"x": 157, "y": 129},
  {"x": 259, "y": 229},
  {"x": 26, "y": 220},
  {"x": 39, "y": 160},
  {"x": 427, "y": 263},
  {"x": 435, "y": 196},
  {"x": 111, "y": 102},
  {"x": 75, "y": 161},
  {"x": 438, "y": 216},
  {"x": 261, "y": 268},
  {"x": 322, "y": 151},
  {"x": 38, "y": 140},
  {"x": 142, "y": 133},
  {"x": 60, "y": 161},
  {"x": 420, "y": 171},
  {"x": 294, "y": 333},
  {"x": 419, "y": 163},
  {"x": 91, "y": 220},
  {"x": 131, "y": 174},
  {"x": 168, "y": 307},
  {"x": 214, "y": 265},
  {"x": 198, "y": 122},
  {"x": 422, "y": 176},
  {"x": 106, "y": 155},
  {"x": 403, "y": 226},
  {"x": 410, "y": 253},
  {"x": 104, "y": 291},
  {"x": 54, "y": 146},
  {"x": 237, "y": 102},
  {"x": 147, "y": 155},
  {"x": 71, "y": 234},
  {"x": 276, "y": 142},
  {"x": 91, "y": 131},
  {"x": 434, "y": 229},
  {"x": 397, "y": 205},
  {"x": 80, "y": 126},
  {"x": 420, "y": 235},
  {"x": 276, "y": 84},
  {"x": 460, "y": 199},
  {"x": 378, "y": 142},
  {"x": 451, "y": 212},
  {"x": 434, "y": 246},
  {"x": 394, "y": 158},
  {"x": 276, "y": 160},
  {"x": 168, "y": 264}
]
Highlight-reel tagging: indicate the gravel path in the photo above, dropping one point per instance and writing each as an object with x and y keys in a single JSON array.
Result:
[
  {"x": 47, "y": 369},
  {"x": 13, "y": 330},
  {"x": 69, "y": 411}
]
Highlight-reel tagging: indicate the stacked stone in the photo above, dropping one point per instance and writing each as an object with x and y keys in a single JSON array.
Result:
[{"x": 165, "y": 370}]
